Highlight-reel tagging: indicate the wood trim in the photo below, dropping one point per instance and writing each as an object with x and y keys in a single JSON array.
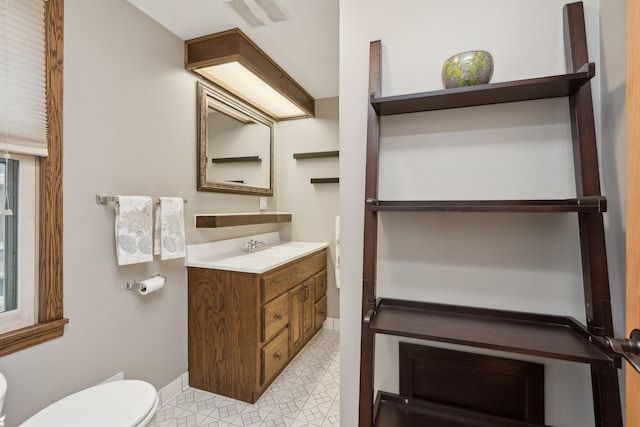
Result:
[
  {"x": 31, "y": 335},
  {"x": 50, "y": 314},
  {"x": 50, "y": 273},
  {"x": 633, "y": 201},
  {"x": 230, "y": 220}
]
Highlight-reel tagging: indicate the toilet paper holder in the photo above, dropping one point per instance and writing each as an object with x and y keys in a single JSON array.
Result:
[{"x": 140, "y": 285}]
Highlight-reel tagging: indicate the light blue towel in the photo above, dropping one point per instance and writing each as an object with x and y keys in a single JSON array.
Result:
[{"x": 134, "y": 222}]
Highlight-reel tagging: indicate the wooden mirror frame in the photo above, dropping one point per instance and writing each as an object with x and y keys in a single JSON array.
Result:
[{"x": 206, "y": 93}]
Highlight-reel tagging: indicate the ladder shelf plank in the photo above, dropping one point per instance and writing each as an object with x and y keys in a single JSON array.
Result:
[
  {"x": 557, "y": 337},
  {"x": 394, "y": 410},
  {"x": 492, "y": 93},
  {"x": 595, "y": 204}
]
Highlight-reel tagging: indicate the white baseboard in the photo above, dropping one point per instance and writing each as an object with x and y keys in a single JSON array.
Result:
[
  {"x": 173, "y": 389},
  {"x": 117, "y": 377},
  {"x": 331, "y": 324}
]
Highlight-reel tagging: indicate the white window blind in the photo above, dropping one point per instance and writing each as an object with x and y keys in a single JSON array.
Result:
[{"x": 23, "y": 108}]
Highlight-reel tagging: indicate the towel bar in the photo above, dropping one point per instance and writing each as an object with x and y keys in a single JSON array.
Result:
[{"x": 103, "y": 199}]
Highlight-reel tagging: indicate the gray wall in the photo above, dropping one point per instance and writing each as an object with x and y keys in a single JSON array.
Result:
[
  {"x": 129, "y": 128},
  {"x": 314, "y": 206},
  {"x": 520, "y": 262}
]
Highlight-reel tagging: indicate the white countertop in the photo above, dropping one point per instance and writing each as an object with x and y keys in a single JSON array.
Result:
[{"x": 229, "y": 255}]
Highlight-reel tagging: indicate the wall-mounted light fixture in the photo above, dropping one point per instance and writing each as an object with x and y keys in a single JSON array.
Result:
[{"x": 231, "y": 60}]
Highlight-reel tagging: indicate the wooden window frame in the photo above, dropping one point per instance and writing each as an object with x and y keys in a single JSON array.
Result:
[{"x": 51, "y": 321}]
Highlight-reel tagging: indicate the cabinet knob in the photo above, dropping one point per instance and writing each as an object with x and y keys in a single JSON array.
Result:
[
  {"x": 278, "y": 356},
  {"x": 279, "y": 316}
]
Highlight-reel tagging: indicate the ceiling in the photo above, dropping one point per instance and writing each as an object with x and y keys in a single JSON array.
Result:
[{"x": 305, "y": 45}]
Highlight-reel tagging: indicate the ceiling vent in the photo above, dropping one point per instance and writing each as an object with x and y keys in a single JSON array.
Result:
[{"x": 259, "y": 12}]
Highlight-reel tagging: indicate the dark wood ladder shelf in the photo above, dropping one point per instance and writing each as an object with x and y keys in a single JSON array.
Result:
[
  {"x": 540, "y": 335},
  {"x": 393, "y": 410},
  {"x": 596, "y": 204},
  {"x": 557, "y": 337}
]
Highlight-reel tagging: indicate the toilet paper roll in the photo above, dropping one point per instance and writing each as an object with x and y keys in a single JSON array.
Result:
[{"x": 151, "y": 284}]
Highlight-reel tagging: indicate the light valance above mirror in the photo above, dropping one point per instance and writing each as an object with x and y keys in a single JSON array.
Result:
[
  {"x": 231, "y": 60},
  {"x": 235, "y": 145}
]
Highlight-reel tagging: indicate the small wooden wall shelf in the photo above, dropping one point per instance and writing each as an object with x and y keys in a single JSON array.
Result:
[
  {"x": 316, "y": 155},
  {"x": 231, "y": 220},
  {"x": 256, "y": 159},
  {"x": 325, "y": 180}
]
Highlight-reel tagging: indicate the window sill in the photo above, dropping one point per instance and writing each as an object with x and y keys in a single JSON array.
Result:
[{"x": 31, "y": 335}]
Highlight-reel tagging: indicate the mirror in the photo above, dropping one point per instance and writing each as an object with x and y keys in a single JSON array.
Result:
[{"x": 235, "y": 145}]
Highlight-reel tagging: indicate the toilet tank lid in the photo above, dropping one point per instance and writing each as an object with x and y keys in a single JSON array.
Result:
[{"x": 117, "y": 403}]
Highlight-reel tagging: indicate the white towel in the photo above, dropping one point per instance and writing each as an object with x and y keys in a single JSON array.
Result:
[
  {"x": 169, "y": 241},
  {"x": 338, "y": 251},
  {"x": 133, "y": 229}
]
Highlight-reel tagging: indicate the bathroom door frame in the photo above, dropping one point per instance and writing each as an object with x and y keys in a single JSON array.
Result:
[{"x": 633, "y": 202}]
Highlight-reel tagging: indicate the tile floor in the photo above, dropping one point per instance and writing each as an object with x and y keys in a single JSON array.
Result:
[{"x": 307, "y": 393}]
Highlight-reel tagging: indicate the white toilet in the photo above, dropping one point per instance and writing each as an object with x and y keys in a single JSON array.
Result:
[
  {"x": 126, "y": 403},
  {"x": 3, "y": 393}
]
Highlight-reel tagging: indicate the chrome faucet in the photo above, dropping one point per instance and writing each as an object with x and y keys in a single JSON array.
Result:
[{"x": 252, "y": 245}]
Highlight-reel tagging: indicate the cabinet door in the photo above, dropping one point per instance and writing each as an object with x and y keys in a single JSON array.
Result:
[
  {"x": 321, "y": 312},
  {"x": 295, "y": 318},
  {"x": 308, "y": 312}
]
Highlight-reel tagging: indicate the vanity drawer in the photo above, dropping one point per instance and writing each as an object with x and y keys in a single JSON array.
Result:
[
  {"x": 321, "y": 312},
  {"x": 275, "y": 315},
  {"x": 279, "y": 281},
  {"x": 275, "y": 355},
  {"x": 321, "y": 284}
]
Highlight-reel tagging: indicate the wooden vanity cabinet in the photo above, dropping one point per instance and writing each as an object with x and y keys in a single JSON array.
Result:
[{"x": 244, "y": 328}]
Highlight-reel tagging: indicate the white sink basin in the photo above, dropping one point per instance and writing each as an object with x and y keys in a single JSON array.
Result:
[{"x": 257, "y": 261}]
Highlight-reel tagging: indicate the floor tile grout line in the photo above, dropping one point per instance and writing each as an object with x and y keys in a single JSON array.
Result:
[{"x": 319, "y": 356}]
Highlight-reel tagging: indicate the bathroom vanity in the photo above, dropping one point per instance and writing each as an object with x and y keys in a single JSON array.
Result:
[{"x": 251, "y": 312}]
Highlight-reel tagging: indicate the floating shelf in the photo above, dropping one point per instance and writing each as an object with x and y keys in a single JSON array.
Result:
[
  {"x": 316, "y": 155},
  {"x": 231, "y": 220},
  {"x": 243, "y": 159},
  {"x": 557, "y": 337},
  {"x": 492, "y": 93},
  {"x": 595, "y": 204},
  {"x": 325, "y": 180},
  {"x": 392, "y": 410}
]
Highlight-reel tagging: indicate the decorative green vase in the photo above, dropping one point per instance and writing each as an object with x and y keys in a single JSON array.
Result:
[{"x": 474, "y": 67}]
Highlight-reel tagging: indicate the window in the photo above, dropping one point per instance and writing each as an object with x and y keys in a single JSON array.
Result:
[
  {"x": 18, "y": 242},
  {"x": 50, "y": 321},
  {"x": 8, "y": 238}
]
